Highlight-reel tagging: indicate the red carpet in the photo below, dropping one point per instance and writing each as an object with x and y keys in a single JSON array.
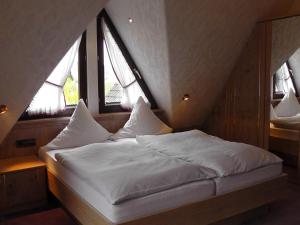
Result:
[{"x": 50, "y": 217}]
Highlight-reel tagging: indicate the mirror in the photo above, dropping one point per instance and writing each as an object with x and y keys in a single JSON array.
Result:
[
  {"x": 285, "y": 89},
  {"x": 285, "y": 58},
  {"x": 287, "y": 77}
]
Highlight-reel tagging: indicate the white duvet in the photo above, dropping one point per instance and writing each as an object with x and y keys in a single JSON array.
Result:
[
  {"x": 198, "y": 148},
  {"x": 121, "y": 171},
  {"x": 289, "y": 119}
]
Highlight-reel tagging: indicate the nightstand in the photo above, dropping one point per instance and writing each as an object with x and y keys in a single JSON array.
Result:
[{"x": 22, "y": 184}]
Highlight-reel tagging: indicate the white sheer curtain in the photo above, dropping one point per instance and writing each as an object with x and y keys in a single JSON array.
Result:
[
  {"x": 125, "y": 76},
  {"x": 50, "y": 97},
  {"x": 283, "y": 80}
]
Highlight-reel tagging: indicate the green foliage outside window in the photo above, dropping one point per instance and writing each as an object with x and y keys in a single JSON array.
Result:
[
  {"x": 71, "y": 91},
  {"x": 108, "y": 86}
]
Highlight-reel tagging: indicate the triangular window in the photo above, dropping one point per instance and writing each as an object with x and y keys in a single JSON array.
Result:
[
  {"x": 120, "y": 82},
  {"x": 283, "y": 81},
  {"x": 60, "y": 93}
]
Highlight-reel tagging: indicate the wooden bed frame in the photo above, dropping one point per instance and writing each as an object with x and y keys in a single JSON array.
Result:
[
  {"x": 205, "y": 212},
  {"x": 285, "y": 141}
]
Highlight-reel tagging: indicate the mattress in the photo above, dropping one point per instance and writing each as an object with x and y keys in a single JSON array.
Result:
[
  {"x": 236, "y": 182},
  {"x": 132, "y": 209},
  {"x": 158, "y": 202}
]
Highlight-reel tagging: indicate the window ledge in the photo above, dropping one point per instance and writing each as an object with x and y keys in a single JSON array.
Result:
[{"x": 65, "y": 120}]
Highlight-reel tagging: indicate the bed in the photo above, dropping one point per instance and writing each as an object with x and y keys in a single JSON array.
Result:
[
  {"x": 285, "y": 138},
  {"x": 199, "y": 202}
]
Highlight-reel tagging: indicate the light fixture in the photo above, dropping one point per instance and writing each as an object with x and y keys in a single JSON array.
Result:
[
  {"x": 130, "y": 20},
  {"x": 3, "y": 109},
  {"x": 186, "y": 97}
]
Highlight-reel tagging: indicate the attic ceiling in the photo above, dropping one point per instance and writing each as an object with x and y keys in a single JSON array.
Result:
[
  {"x": 34, "y": 36},
  {"x": 285, "y": 40},
  {"x": 187, "y": 48},
  {"x": 179, "y": 47}
]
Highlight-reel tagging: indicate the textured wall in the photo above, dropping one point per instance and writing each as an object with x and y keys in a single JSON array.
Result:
[
  {"x": 186, "y": 48},
  {"x": 180, "y": 47},
  {"x": 286, "y": 40},
  {"x": 294, "y": 61},
  {"x": 205, "y": 40},
  {"x": 34, "y": 36},
  {"x": 146, "y": 40},
  {"x": 241, "y": 111},
  {"x": 285, "y": 8}
]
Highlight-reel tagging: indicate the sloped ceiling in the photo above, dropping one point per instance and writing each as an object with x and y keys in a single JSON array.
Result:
[
  {"x": 188, "y": 47},
  {"x": 34, "y": 36},
  {"x": 147, "y": 41},
  {"x": 284, "y": 8},
  {"x": 285, "y": 40},
  {"x": 180, "y": 47}
]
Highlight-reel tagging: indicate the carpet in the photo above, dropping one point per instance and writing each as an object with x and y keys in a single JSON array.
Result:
[
  {"x": 283, "y": 212},
  {"x": 50, "y": 217}
]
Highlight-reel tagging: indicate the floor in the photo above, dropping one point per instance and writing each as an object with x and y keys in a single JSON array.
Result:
[
  {"x": 283, "y": 212},
  {"x": 49, "y": 217},
  {"x": 287, "y": 210}
]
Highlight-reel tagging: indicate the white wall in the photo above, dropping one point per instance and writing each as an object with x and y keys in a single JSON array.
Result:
[
  {"x": 294, "y": 61},
  {"x": 285, "y": 40},
  {"x": 186, "y": 47},
  {"x": 34, "y": 36},
  {"x": 146, "y": 40}
]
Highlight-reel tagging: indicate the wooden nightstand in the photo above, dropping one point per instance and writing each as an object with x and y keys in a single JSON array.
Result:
[{"x": 22, "y": 184}]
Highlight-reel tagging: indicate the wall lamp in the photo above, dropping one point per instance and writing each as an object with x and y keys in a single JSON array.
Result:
[
  {"x": 130, "y": 20},
  {"x": 3, "y": 109},
  {"x": 186, "y": 97}
]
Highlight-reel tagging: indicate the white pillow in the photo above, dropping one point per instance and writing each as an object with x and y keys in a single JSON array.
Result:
[
  {"x": 273, "y": 115},
  {"x": 142, "y": 121},
  {"x": 81, "y": 130},
  {"x": 289, "y": 105}
]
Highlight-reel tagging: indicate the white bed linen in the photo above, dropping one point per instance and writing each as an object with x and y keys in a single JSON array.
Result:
[
  {"x": 132, "y": 209},
  {"x": 198, "y": 148},
  {"x": 122, "y": 172},
  {"x": 292, "y": 122},
  {"x": 239, "y": 181},
  {"x": 158, "y": 202}
]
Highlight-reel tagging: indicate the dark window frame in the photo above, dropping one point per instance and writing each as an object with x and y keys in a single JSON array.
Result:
[
  {"x": 281, "y": 95},
  {"x": 82, "y": 81},
  {"x": 107, "y": 108}
]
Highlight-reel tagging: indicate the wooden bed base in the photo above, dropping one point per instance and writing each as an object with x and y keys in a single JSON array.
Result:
[
  {"x": 205, "y": 212},
  {"x": 285, "y": 141}
]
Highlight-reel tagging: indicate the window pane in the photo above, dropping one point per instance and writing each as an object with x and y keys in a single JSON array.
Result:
[
  {"x": 283, "y": 80},
  {"x": 113, "y": 89},
  {"x": 61, "y": 88},
  {"x": 48, "y": 100},
  {"x": 71, "y": 91}
]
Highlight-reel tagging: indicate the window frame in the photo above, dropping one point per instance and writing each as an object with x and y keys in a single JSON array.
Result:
[
  {"x": 108, "y": 108},
  {"x": 278, "y": 96},
  {"x": 82, "y": 81}
]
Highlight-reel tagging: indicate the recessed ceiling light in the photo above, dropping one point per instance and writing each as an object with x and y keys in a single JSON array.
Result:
[
  {"x": 186, "y": 97},
  {"x": 3, "y": 109},
  {"x": 130, "y": 20}
]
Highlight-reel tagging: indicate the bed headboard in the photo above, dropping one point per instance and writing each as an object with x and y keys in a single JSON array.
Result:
[{"x": 26, "y": 137}]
